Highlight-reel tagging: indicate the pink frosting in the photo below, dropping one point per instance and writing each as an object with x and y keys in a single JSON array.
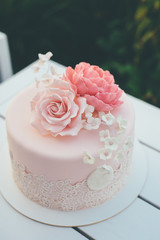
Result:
[
  {"x": 96, "y": 85},
  {"x": 56, "y": 110}
]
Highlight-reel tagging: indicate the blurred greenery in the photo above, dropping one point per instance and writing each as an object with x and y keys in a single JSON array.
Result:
[{"x": 121, "y": 36}]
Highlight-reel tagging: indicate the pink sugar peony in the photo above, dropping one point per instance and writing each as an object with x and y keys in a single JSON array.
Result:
[
  {"x": 56, "y": 110},
  {"x": 96, "y": 85}
]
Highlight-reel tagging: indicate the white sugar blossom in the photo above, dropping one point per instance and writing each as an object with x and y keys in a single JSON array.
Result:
[
  {"x": 103, "y": 135},
  {"x": 92, "y": 123},
  {"x": 89, "y": 108},
  {"x": 118, "y": 157},
  {"x": 46, "y": 73},
  {"x": 122, "y": 124},
  {"x": 88, "y": 158},
  {"x": 107, "y": 118},
  {"x": 111, "y": 143},
  {"x": 101, "y": 114},
  {"x": 88, "y": 111},
  {"x": 88, "y": 114},
  {"x": 128, "y": 144},
  {"x": 43, "y": 58},
  {"x": 105, "y": 154}
]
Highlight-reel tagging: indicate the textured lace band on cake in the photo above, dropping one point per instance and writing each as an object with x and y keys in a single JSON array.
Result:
[{"x": 62, "y": 195}]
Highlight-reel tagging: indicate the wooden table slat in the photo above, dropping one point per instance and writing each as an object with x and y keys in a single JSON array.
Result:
[
  {"x": 13, "y": 225},
  {"x": 147, "y": 122},
  {"x": 151, "y": 189},
  {"x": 139, "y": 221}
]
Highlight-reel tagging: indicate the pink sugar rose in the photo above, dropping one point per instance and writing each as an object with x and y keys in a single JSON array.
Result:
[
  {"x": 56, "y": 110},
  {"x": 96, "y": 85}
]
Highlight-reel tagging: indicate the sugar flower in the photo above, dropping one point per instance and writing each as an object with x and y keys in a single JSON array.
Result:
[
  {"x": 111, "y": 143},
  {"x": 108, "y": 118},
  {"x": 104, "y": 134},
  {"x": 92, "y": 123},
  {"x": 96, "y": 85},
  {"x": 88, "y": 111},
  {"x": 105, "y": 154},
  {"x": 88, "y": 158},
  {"x": 56, "y": 110},
  {"x": 43, "y": 58},
  {"x": 128, "y": 144},
  {"x": 122, "y": 124}
]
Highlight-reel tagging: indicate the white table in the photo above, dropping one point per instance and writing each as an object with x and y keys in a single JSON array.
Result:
[{"x": 139, "y": 221}]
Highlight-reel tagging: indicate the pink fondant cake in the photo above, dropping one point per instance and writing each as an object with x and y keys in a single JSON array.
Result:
[{"x": 71, "y": 137}]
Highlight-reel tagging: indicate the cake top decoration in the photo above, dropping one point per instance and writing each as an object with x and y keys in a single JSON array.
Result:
[
  {"x": 96, "y": 85},
  {"x": 80, "y": 98}
]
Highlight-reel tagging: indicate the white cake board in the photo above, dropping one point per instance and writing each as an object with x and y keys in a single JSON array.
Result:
[{"x": 32, "y": 210}]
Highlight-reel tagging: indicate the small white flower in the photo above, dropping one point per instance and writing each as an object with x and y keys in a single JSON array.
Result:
[
  {"x": 105, "y": 154},
  {"x": 111, "y": 143},
  {"x": 45, "y": 57},
  {"x": 128, "y": 144},
  {"x": 118, "y": 157},
  {"x": 89, "y": 108},
  {"x": 88, "y": 115},
  {"x": 92, "y": 123},
  {"x": 90, "y": 120},
  {"x": 87, "y": 126},
  {"x": 103, "y": 135},
  {"x": 88, "y": 158},
  {"x": 88, "y": 111},
  {"x": 101, "y": 114},
  {"x": 107, "y": 118},
  {"x": 122, "y": 124}
]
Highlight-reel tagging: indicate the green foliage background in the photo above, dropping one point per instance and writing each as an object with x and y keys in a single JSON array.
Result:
[{"x": 121, "y": 36}]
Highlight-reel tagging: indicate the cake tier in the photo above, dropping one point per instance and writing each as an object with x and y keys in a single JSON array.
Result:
[{"x": 60, "y": 159}]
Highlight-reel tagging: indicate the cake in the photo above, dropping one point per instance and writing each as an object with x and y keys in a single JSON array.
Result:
[{"x": 70, "y": 137}]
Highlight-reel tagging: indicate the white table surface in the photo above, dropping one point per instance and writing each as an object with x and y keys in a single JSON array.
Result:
[{"x": 140, "y": 221}]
